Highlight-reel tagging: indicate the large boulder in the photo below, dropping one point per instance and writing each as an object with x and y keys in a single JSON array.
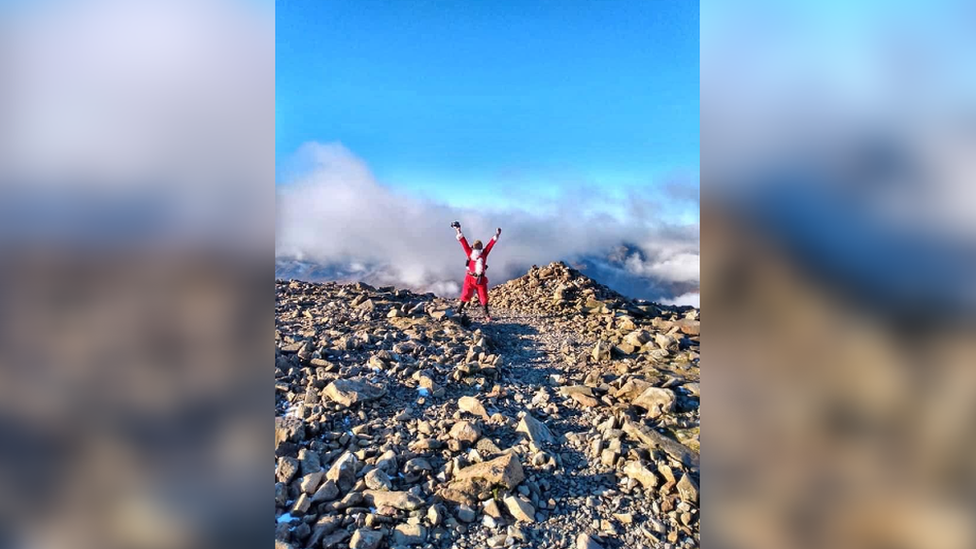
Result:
[
  {"x": 472, "y": 405},
  {"x": 409, "y": 534},
  {"x": 537, "y": 431},
  {"x": 637, "y": 338},
  {"x": 348, "y": 392},
  {"x": 580, "y": 393},
  {"x": 465, "y": 431},
  {"x": 601, "y": 351},
  {"x": 689, "y": 327},
  {"x": 377, "y": 479},
  {"x": 632, "y": 389},
  {"x": 520, "y": 509},
  {"x": 366, "y": 539},
  {"x": 328, "y": 491},
  {"x": 405, "y": 501},
  {"x": 656, "y": 400},
  {"x": 505, "y": 470},
  {"x": 289, "y": 429},
  {"x": 343, "y": 472},
  {"x": 641, "y": 474},
  {"x": 688, "y": 489},
  {"x": 463, "y": 492}
]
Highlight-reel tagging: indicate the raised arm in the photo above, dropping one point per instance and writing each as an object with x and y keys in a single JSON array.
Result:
[
  {"x": 491, "y": 243},
  {"x": 463, "y": 241}
]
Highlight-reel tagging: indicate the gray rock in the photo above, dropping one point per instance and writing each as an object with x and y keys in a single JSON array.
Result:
[
  {"x": 309, "y": 461},
  {"x": 652, "y": 439},
  {"x": 492, "y": 509},
  {"x": 343, "y": 472},
  {"x": 466, "y": 514},
  {"x": 688, "y": 489},
  {"x": 301, "y": 505},
  {"x": 641, "y": 474},
  {"x": 520, "y": 509},
  {"x": 505, "y": 470},
  {"x": 387, "y": 462},
  {"x": 584, "y": 541},
  {"x": 323, "y": 527},
  {"x": 328, "y": 491},
  {"x": 352, "y": 499},
  {"x": 289, "y": 429},
  {"x": 335, "y": 539},
  {"x": 472, "y": 405},
  {"x": 656, "y": 401},
  {"x": 311, "y": 481},
  {"x": 601, "y": 352},
  {"x": 435, "y": 514},
  {"x": 366, "y": 539},
  {"x": 404, "y": 501},
  {"x": 465, "y": 431},
  {"x": 352, "y": 391},
  {"x": 286, "y": 470},
  {"x": 417, "y": 464},
  {"x": 281, "y": 494},
  {"x": 537, "y": 431},
  {"x": 409, "y": 534},
  {"x": 377, "y": 479}
]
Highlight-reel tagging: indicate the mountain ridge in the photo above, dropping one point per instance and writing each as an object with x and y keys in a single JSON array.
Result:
[{"x": 610, "y": 270}]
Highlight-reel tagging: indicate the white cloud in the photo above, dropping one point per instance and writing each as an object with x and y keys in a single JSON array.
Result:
[
  {"x": 336, "y": 213},
  {"x": 670, "y": 265},
  {"x": 691, "y": 298}
]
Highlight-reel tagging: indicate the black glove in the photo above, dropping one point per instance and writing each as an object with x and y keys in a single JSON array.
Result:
[{"x": 456, "y": 225}]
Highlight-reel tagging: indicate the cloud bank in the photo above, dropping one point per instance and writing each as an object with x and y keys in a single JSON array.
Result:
[{"x": 336, "y": 221}]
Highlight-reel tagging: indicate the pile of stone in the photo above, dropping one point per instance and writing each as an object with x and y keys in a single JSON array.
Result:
[
  {"x": 631, "y": 336},
  {"x": 556, "y": 289}
]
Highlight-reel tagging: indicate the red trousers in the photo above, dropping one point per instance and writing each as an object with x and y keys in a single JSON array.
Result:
[{"x": 470, "y": 285}]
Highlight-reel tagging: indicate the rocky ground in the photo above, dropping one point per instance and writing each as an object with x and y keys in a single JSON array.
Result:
[{"x": 572, "y": 420}]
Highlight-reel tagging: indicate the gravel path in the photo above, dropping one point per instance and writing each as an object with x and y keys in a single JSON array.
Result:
[{"x": 584, "y": 490}]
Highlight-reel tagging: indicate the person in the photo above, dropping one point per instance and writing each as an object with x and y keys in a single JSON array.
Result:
[{"x": 476, "y": 263}]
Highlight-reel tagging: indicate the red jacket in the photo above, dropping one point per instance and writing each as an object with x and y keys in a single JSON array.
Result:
[{"x": 476, "y": 264}]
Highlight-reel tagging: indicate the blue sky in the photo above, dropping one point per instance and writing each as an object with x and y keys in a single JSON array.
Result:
[{"x": 453, "y": 100}]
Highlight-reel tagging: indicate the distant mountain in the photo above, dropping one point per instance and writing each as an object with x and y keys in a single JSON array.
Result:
[
  {"x": 294, "y": 269},
  {"x": 610, "y": 269}
]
